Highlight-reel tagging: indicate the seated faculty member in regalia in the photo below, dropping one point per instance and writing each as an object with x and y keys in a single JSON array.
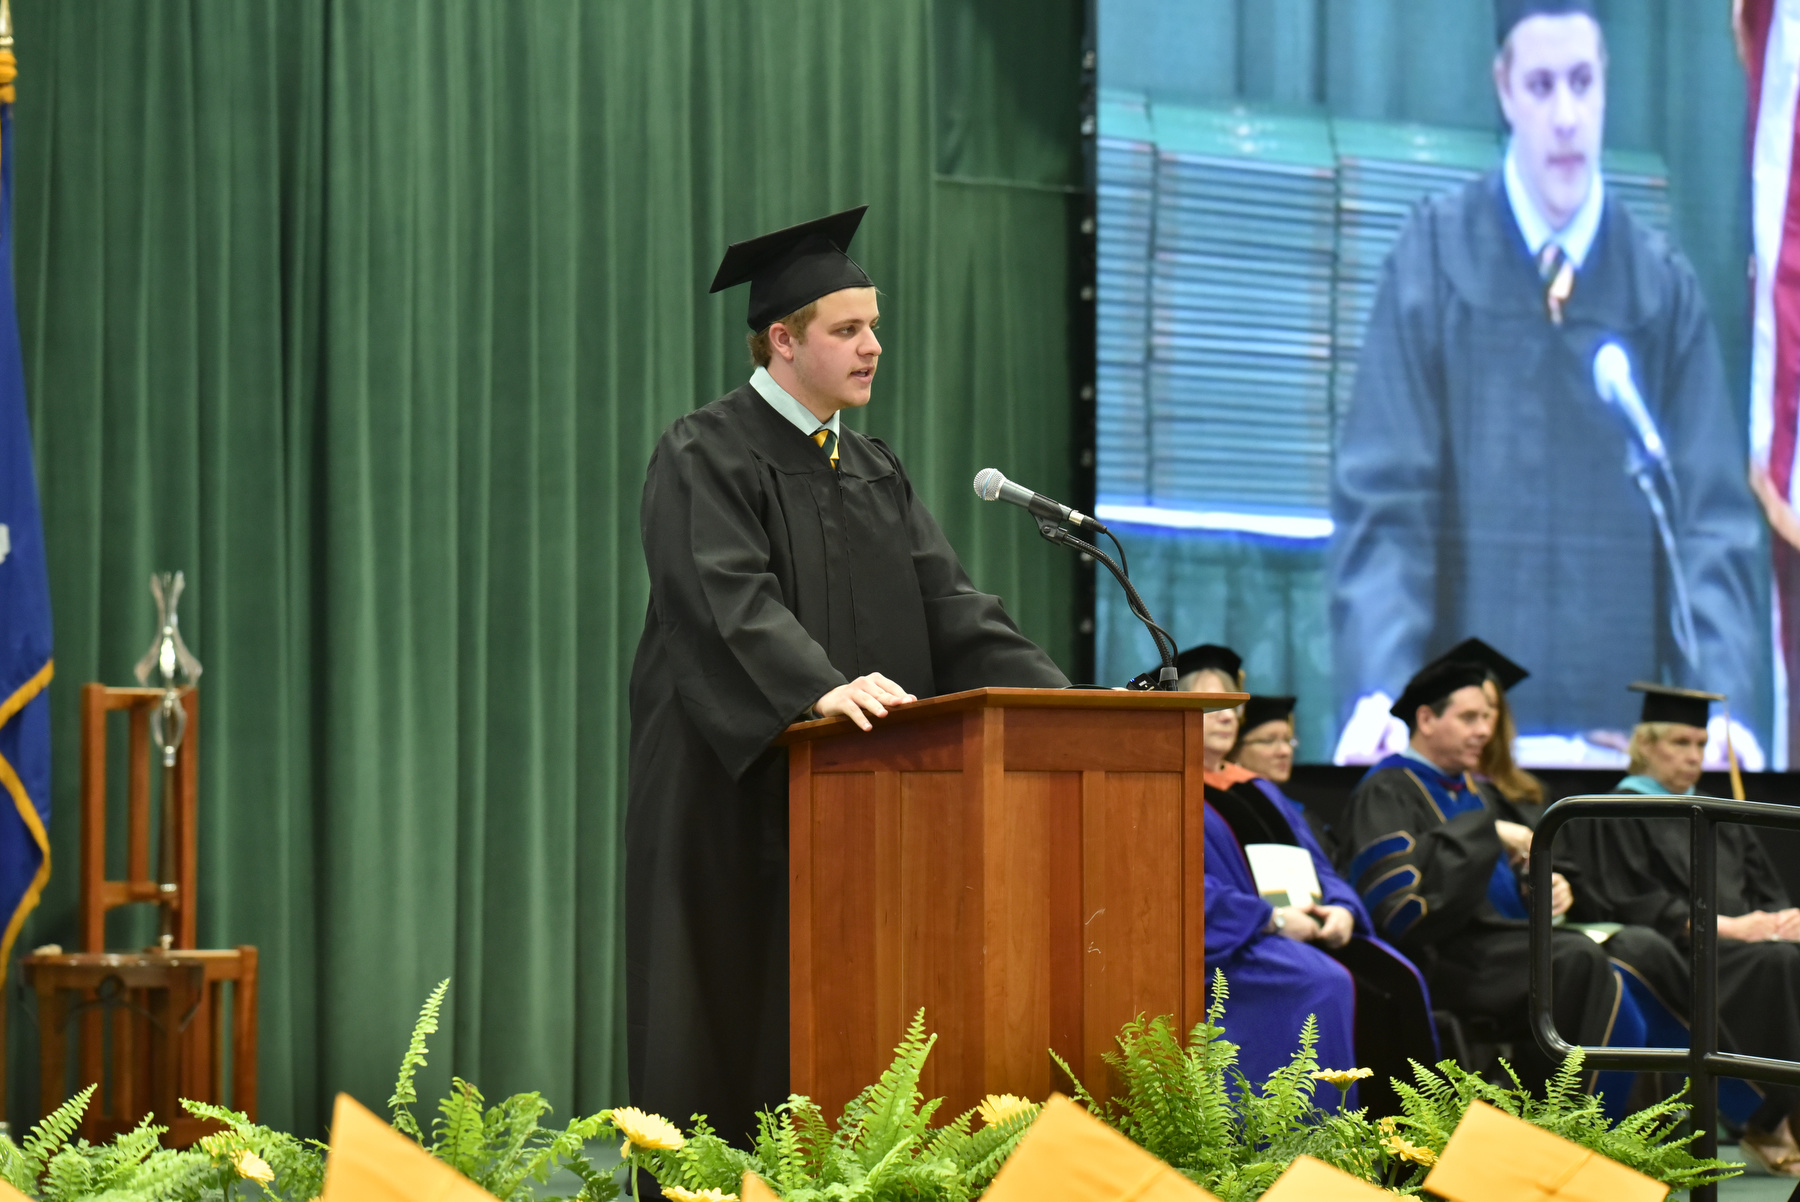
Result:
[
  {"x": 1652, "y": 972},
  {"x": 1480, "y": 480},
  {"x": 1284, "y": 956},
  {"x": 794, "y": 573},
  {"x": 1438, "y": 856},
  {"x": 1636, "y": 870}
]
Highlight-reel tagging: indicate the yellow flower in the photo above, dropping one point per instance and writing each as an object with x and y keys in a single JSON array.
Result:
[
  {"x": 1409, "y": 1151},
  {"x": 252, "y": 1167},
  {"x": 1343, "y": 1078},
  {"x": 1387, "y": 1125},
  {"x": 706, "y": 1195},
  {"x": 997, "y": 1108},
  {"x": 645, "y": 1130}
]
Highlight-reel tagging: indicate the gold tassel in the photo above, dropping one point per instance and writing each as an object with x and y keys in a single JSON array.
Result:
[
  {"x": 1737, "y": 778},
  {"x": 9, "y": 66}
]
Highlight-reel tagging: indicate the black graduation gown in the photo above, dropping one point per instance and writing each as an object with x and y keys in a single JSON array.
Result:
[
  {"x": 1475, "y": 959},
  {"x": 1478, "y": 483},
  {"x": 1636, "y": 870},
  {"x": 773, "y": 579}
]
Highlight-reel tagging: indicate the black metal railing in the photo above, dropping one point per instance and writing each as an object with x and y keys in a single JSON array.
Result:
[{"x": 1701, "y": 1060}]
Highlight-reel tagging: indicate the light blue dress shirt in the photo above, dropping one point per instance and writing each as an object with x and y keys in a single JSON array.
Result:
[
  {"x": 785, "y": 404},
  {"x": 1576, "y": 238}
]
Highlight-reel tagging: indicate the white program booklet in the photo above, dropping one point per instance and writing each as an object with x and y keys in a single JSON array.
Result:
[{"x": 1284, "y": 874}]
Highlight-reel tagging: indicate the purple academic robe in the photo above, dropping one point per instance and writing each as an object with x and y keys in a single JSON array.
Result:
[{"x": 1276, "y": 982}]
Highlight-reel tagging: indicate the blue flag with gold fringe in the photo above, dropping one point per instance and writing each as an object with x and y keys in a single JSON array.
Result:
[{"x": 25, "y": 664}]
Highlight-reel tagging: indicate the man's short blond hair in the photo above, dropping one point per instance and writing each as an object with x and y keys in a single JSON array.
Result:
[
  {"x": 761, "y": 350},
  {"x": 1644, "y": 734}
]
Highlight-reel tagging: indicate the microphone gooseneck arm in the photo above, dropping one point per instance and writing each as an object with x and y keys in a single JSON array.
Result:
[
  {"x": 1165, "y": 642},
  {"x": 1681, "y": 615},
  {"x": 1647, "y": 463}
]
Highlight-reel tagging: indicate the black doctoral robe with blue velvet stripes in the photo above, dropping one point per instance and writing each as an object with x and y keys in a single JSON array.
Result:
[{"x": 1475, "y": 958}]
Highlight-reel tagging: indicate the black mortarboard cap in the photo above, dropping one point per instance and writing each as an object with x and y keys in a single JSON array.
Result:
[
  {"x": 1211, "y": 655},
  {"x": 1473, "y": 651},
  {"x": 791, "y": 268},
  {"x": 1259, "y": 710},
  {"x": 1665, "y": 703},
  {"x": 1434, "y": 682},
  {"x": 1508, "y": 13}
]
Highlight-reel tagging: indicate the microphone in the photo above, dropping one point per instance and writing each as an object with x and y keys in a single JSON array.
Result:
[
  {"x": 992, "y": 485},
  {"x": 1612, "y": 380}
]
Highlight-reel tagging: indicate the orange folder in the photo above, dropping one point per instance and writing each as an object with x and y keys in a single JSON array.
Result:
[
  {"x": 755, "y": 1191},
  {"x": 1494, "y": 1157},
  {"x": 1310, "y": 1180},
  {"x": 1068, "y": 1155},
  {"x": 372, "y": 1162}
]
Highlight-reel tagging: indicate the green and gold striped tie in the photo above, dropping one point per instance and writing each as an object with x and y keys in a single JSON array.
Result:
[
  {"x": 826, "y": 437},
  {"x": 1558, "y": 273}
]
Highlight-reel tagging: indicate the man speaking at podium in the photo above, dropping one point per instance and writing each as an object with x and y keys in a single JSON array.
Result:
[{"x": 793, "y": 574}]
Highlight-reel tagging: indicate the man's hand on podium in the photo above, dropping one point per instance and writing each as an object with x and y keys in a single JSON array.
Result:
[{"x": 870, "y": 694}]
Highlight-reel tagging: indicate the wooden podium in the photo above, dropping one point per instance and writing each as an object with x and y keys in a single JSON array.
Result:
[{"x": 1024, "y": 864}]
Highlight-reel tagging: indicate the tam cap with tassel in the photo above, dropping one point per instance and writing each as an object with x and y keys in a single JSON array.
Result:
[{"x": 1666, "y": 703}]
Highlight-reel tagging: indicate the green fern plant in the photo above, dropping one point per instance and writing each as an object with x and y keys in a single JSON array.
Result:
[
  {"x": 298, "y": 1165},
  {"x": 405, "y": 1093},
  {"x": 54, "y": 1166},
  {"x": 22, "y": 1165},
  {"x": 883, "y": 1148},
  {"x": 1649, "y": 1141},
  {"x": 503, "y": 1148},
  {"x": 134, "y": 1166},
  {"x": 1191, "y": 1106}
]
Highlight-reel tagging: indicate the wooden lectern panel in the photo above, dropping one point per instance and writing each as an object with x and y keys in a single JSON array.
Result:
[{"x": 1024, "y": 864}]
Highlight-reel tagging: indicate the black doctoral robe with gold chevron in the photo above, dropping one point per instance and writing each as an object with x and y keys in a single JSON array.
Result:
[
  {"x": 1443, "y": 916},
  {"x": 773, "y": 579}
]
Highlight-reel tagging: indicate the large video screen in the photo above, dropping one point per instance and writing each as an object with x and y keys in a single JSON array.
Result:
[{"x": 1409, "y": 333}]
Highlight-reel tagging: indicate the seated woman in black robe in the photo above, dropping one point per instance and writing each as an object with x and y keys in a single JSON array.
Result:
[
  {"x": 1636, "y": 870},
  {"x": 1265, "y": 743}
]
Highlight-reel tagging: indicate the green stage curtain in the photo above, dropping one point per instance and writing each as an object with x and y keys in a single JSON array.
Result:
[{"x": 366, "y": 314}]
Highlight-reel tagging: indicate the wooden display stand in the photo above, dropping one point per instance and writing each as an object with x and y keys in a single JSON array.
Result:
[
  {"x": 149, "y": 1024},
  {"x": 1024, "y": 864},
  {"x": 160, "y": 1011}
]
